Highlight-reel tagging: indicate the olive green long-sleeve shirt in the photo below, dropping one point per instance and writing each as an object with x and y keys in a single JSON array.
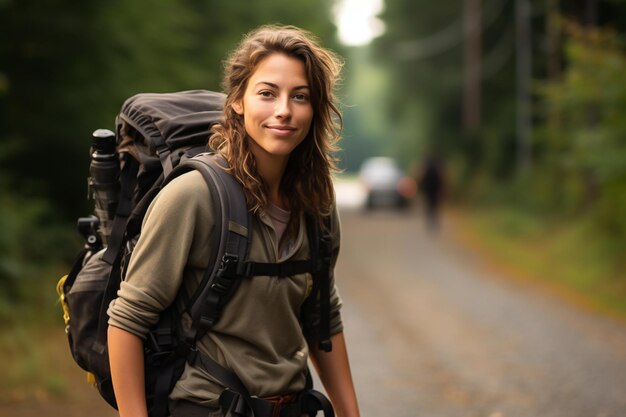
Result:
[{"x": 259, "y": 335}]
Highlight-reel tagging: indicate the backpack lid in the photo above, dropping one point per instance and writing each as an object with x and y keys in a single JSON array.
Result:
[{"x": 172, "y": 120}]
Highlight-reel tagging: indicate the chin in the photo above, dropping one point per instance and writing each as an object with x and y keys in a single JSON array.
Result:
[{"x": 280, "y": 151}]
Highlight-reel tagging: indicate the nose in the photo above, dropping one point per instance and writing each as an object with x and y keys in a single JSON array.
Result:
[{"x": 283, "y": 107}]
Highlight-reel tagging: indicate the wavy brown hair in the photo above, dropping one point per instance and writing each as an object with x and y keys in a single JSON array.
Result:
[{"x": 307, "y": 179}]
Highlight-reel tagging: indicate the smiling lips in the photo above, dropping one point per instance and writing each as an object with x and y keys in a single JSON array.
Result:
[{"x": 282, "y": 130}]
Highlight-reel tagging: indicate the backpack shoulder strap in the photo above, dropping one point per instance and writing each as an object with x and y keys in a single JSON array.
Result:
[
  {"x": 123, "y": 211},
  {"x": 234, "y": 236},
  {"x": 321, "y": 253}
]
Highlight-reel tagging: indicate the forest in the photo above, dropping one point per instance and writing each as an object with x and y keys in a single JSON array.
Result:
[{"x": 524, "y": 100}]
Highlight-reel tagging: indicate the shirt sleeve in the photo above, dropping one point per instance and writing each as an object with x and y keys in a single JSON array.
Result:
[{"x": 156, "y": 266}]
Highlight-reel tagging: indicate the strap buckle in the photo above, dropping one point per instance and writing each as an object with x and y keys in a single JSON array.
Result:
[
  {"x": 228, "y": 266},
  {"x": 226, "y": 273},
  {"x": 162, "y": 150}
]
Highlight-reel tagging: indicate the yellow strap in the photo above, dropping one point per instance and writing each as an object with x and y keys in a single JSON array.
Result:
[
  {"x": 60, "y": 285},
  {"x": 66, "y": 311},
  {"x": 91, "y": 379}
]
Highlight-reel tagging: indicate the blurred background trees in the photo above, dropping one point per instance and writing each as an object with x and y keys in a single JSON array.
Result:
[
  {"x": 524, "y": 100},
  {"x": 67, "y": 67}
]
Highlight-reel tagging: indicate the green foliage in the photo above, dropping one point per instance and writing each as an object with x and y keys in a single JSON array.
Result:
[
  {"x": 66, "y": 68},
  {"x": 584, "y": 137},
  {"x": 575, "y": 191},
  {"x": 424, "y": 51},
  {"x": 32, "y": 240}
]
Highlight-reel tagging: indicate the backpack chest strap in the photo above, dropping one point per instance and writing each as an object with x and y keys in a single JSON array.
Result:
[{"x": 283, "y": 269}]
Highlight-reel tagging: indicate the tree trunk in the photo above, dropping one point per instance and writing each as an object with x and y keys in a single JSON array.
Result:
[
  {"x": 524, "y": 76},
  {"x": 472, "y": 74}
]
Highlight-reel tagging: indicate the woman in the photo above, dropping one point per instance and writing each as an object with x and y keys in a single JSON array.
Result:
[{"x": 277, "y": 136}]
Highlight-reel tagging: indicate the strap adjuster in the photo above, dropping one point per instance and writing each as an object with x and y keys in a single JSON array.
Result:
[
  {"x": 163, "y": 149},
  {"x": 228, "y": 266}
]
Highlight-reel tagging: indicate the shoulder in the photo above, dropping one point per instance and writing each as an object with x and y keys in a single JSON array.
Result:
[
  {"x": 188, "y": 184},
  {"x": 184, "y": 194},
  {"x": 188, "y": 188}
]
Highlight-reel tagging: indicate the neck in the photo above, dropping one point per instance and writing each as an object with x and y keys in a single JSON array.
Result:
[{"x": 271, "y": 169}]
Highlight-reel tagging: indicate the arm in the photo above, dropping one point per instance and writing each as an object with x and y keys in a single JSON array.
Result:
[
  {"x": 333, "y": 369},
  {"x": 177, "y": 217},
  {"x": 127, "y": 372}
]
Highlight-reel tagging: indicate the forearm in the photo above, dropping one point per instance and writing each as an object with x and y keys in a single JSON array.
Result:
[
  {"x": 127, "y": 372},
  {"x": 333, "y": 369}
]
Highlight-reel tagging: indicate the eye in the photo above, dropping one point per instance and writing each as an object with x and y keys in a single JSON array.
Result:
[
  {"x": 266, "y": 93},
  {"x": 301, "y": 97}
]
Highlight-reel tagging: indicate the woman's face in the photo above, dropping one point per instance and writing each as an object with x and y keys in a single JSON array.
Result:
[{"x": 276, "y": 107}]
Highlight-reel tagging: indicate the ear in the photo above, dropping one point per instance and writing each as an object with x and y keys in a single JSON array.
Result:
[{"x": 238, "y": 107}]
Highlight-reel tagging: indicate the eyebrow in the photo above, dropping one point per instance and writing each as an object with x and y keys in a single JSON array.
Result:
[{"x": 299, "y": 87}]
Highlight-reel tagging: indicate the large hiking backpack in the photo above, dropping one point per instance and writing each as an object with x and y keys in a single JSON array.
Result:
[{"x": 159, "y": 137}]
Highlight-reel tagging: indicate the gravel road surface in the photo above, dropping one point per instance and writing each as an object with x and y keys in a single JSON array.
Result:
[{"x": 434, "y": 332}]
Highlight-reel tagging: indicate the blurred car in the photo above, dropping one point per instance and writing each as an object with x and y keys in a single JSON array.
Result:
[{"x": 385, "y": 184}]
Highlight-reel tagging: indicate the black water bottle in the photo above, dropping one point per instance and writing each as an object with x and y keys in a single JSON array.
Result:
[{"x": 104, "y": 171}]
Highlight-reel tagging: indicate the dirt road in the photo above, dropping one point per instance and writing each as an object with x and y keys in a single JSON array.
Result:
[{"x": 433, "y": 333}]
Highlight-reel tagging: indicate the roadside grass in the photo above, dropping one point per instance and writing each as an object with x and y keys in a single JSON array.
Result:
[
  {"x": 32, "y": 346},
  {"x": 566, "y": 257}
]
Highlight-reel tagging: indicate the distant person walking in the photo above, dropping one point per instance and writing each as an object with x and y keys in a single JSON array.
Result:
[{"x": 431, "y": 183}]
